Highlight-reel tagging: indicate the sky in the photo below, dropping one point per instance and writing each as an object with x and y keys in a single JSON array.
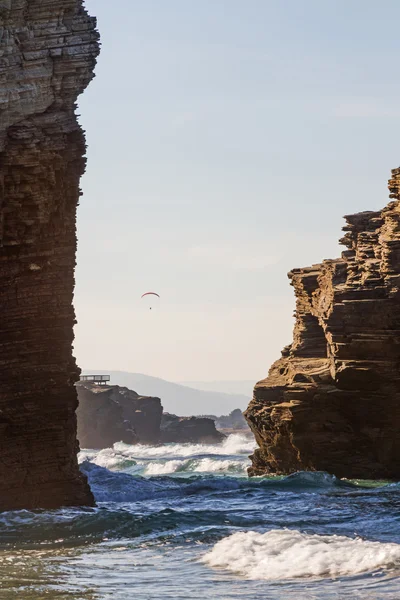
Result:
[{"x": 226, "y": 140}]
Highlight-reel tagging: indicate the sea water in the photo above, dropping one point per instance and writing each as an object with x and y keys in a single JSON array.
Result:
[{"x": 183, "y": 521}]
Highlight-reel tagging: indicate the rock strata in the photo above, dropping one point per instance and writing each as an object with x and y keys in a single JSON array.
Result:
[
  {"x": 109, "y": 414},
  {"x": 47, "y": 56},
  {"x": 332, "y": 401}
]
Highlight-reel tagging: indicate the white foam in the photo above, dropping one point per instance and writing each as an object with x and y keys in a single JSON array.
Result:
[
  {"x": 167, "y": 459},
  {"x": 104, "y": 458},
  {"x": 237, "y": 443},
  {"x": 203, "y": 465},
  {"x": 234, "y": 444},
  {"x": 285, "y": 554},
  {"x": 164, "y": 468},
  {"x": 209, "y": 465}
]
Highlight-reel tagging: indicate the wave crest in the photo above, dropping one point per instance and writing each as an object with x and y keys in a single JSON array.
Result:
[
  {"x": 230, "y": 457},
  {"x": 287, "y": 554},
  {"x": 201, "y": 465},
  {"x": 234, "y": 444}
]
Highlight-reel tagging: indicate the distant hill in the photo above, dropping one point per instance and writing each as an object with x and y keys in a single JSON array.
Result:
[
  {"x": 243, "y": 388},
  {"x": 178, "y": 399}
]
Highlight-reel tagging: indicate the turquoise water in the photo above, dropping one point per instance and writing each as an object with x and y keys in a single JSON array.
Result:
[{"x": 183, "y": 521}]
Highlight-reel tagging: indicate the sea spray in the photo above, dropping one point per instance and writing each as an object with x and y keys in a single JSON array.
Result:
[
  {"x": 286, "y": 554},
  {"x": 162, "y": 510},
  {"x": 201, "y": 465},
  {"x": 230, "y": 457},
  {"x": 234, "y": 444}
]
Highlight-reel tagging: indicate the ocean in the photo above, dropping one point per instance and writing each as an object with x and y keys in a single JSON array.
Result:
[{"x": 183, "y": 521}]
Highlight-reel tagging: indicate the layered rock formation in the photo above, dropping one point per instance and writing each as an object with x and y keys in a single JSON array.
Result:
[
  {"x": 47, "y": 57},
  {"x": 332, "y": 402},
  {"x": 195, "y": 430},
  {"x": 109, "y": 414}
]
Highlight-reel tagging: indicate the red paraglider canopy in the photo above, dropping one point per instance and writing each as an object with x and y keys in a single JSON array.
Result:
[{"x": 150, "y": 294}]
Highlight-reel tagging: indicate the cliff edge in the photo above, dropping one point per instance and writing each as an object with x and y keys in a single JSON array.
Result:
[
  {"x": 47, "y": 56},
  {"x": 332, "y": 402}
]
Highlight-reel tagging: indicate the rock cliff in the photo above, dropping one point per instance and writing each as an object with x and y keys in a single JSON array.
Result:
[
  {"x": 109, "y": 414},
  {"x": 47, "y": 56},
  {"x": 195, "y": 430},
  {"x": 332, "y": 402}
]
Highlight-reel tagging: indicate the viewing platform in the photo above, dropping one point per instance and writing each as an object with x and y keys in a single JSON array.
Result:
[{"x": 98, "y": 379}]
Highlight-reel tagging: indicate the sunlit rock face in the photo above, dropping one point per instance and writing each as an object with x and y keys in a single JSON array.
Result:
[
  {"x": 332, "y": 402},
  {"x": 47, "y": 56}
]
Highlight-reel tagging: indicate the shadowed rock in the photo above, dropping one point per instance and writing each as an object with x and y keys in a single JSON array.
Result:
[
  {"x": 109, "y": 414},
  {"x": 332, "y": 402},
  {"x": 195, "y": 430},
  {"x": 48, "y": 52}
]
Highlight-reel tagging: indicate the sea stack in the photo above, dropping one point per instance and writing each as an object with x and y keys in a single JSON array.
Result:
[
  {"x": 109, "y": 413},
  {"x": 48, "y": 52},
  {"x": 332, "y": 402}
]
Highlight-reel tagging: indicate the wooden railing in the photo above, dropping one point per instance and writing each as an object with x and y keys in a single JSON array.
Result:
[{"x": 100, "y": 379}]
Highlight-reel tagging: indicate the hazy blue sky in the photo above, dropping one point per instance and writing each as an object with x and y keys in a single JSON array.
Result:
[{"x": 226, "y": 139}]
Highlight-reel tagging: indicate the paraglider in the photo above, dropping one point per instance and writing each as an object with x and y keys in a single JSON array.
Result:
[{"x": 150, "y": 294}]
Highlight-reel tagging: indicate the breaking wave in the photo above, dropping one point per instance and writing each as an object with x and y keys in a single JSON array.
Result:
[
  {"x": 230, "y": 457},
  {"x": 288, "y": 554},
  {"x": 202, "y": 465},
  {"x": 234, "y": 444},
  {"x": 199, "y": 476},
  {"x": 187, "y": 507}
]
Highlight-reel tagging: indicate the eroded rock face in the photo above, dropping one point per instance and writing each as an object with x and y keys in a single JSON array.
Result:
[
  {"x": 332, "y": 402},
  {"x": 47, "y": 57},
  {"x": 109, "y": 414}
]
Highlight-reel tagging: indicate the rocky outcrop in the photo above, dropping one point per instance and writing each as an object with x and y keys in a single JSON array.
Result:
[
  {"x": 234, "y": 422},
  {"x": 332, "y": 402},
  {"x": 109, "y": 414},
  {"x": 195, "y": 430},
  {"x": 47, "y": 57}
]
